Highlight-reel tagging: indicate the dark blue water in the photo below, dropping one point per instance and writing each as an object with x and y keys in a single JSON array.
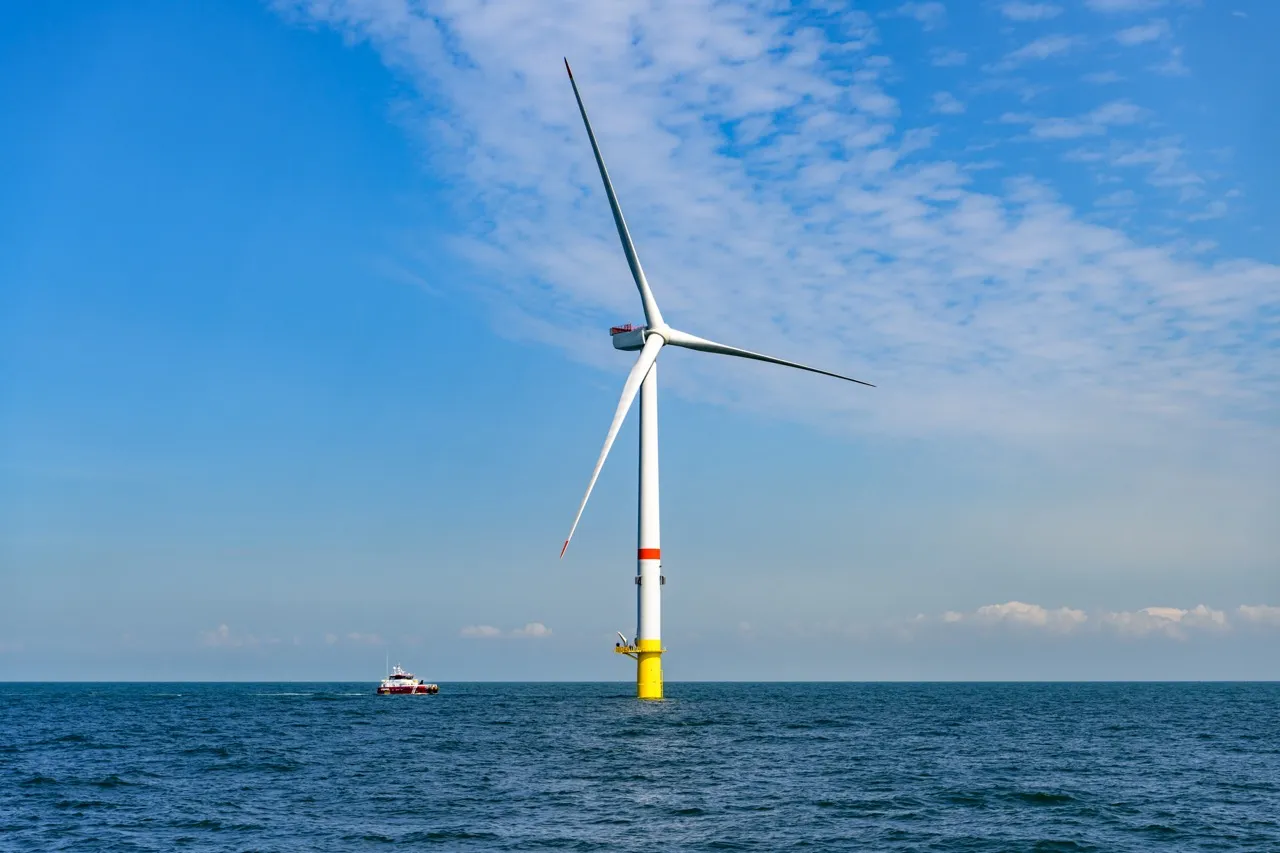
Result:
[{"x": 1111, "y": 767}]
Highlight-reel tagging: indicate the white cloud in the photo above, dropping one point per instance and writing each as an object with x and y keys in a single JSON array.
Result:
[
  {"x": 224, "y": 637},
  {"x": 531, "y": 631},
  {"x": 1201, "y": 616},
  {"x": 827, "y": 234},
  {"x": 1090, "y": 124},
  {"x": 1021, "y": 11},
  {"x": 1120, "y": 198},
  {"x": 1165, "y": 162},
  {"x": 358, "y": 638},
  {"x": 1123, "y": 6},
  {"x": 1213, "y": 210},
  {"x": 364, "y": 639},
  {"x": 1166, "y": 621},
  {"x": 947, "y": 104},
  {"x": 1084, "y": 155},
  {"x": 1173, "y": 66},
  {"x": 1042, "y": 48},
  {"x": 481, "y": 631},
  {"x": 1143, "y": 33},
  {"x": 931, "y": 15},
  {"x": 948, "y": 58},
  {"x": 1117, "y": 112},
  {"x": 1260, "y": 614},
  {"x": 1018, "y": 613},
  {"x": 1171, "y": 622}
]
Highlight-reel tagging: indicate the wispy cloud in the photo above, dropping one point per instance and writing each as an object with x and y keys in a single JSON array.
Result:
[
  {"x": 1116, "y": 7},
  {"x": 1260, "y": 614},
  {"x": 1164, "y": 159},
  {"x": 1102, "y": 77},
  {"x": 1169, "y": 622},
  {"x": 1045, "y": 47},
  {"x": 1166, "y": 621},
  {"x": 358, "y": 638},
  {"x": 931, "y": 15},
  {"x": 1173, "y": 66},
  {"x": 1018, "y": 613},
  {"x": 1120, "y": 198},
  {"x": 531, "y": 631},
  {"x": 775, "y": 189},
  {"x": 1092, "y": 123},
  {"x": 947, "y": 104},
  {"x": 1143, "y": 33},
  {"x": 224, "y": 637},
  {"x": 1213, "y": 210},
  {"x": 1021, "y": 11},
  {"x": 948, "y": 58},
  {"x": 364, "y": 639}
]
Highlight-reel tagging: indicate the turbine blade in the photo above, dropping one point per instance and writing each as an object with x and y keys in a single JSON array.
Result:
[
  {"x": 639, "y": 371},
  {"x": 684, "y": 339},
  {"x": 652, "y": 316}
]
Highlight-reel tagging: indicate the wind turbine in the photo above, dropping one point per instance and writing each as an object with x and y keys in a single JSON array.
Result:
[{"x": 649, "y": 339}]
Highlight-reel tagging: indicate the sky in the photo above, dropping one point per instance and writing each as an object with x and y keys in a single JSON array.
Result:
[{"x": 304, "y": 358}]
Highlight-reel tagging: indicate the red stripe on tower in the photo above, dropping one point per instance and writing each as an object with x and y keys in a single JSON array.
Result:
[{"x": 649, "y": 553}]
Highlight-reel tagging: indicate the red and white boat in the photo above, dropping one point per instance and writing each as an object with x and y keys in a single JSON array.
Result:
[{"x": 400, "y": 681}]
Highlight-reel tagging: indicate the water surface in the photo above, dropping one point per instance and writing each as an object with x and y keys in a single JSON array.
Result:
[{"x": 963, "y": 767}]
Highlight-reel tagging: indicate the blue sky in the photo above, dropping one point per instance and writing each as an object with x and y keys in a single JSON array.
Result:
[{"x": 304, "y": 356}]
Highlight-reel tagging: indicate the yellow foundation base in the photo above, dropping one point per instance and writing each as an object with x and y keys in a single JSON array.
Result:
[
  {"x": 649, "y": 669},
  {"x": 648, "y": 655}
]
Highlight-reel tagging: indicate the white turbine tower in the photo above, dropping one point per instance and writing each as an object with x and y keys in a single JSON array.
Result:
[{"x": 646, "y": 647}]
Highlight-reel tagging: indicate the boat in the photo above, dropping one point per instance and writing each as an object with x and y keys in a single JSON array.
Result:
[{"x": 400, "y": 681}]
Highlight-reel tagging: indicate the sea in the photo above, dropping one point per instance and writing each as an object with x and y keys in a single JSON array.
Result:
[{"x": 760, "y": 767}]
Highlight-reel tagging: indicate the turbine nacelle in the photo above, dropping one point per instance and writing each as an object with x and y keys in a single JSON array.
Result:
[{"x": 628, "y": 337}]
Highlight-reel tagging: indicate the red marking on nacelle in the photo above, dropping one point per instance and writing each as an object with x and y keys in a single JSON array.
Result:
[{"x": 618, "y": 330}]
